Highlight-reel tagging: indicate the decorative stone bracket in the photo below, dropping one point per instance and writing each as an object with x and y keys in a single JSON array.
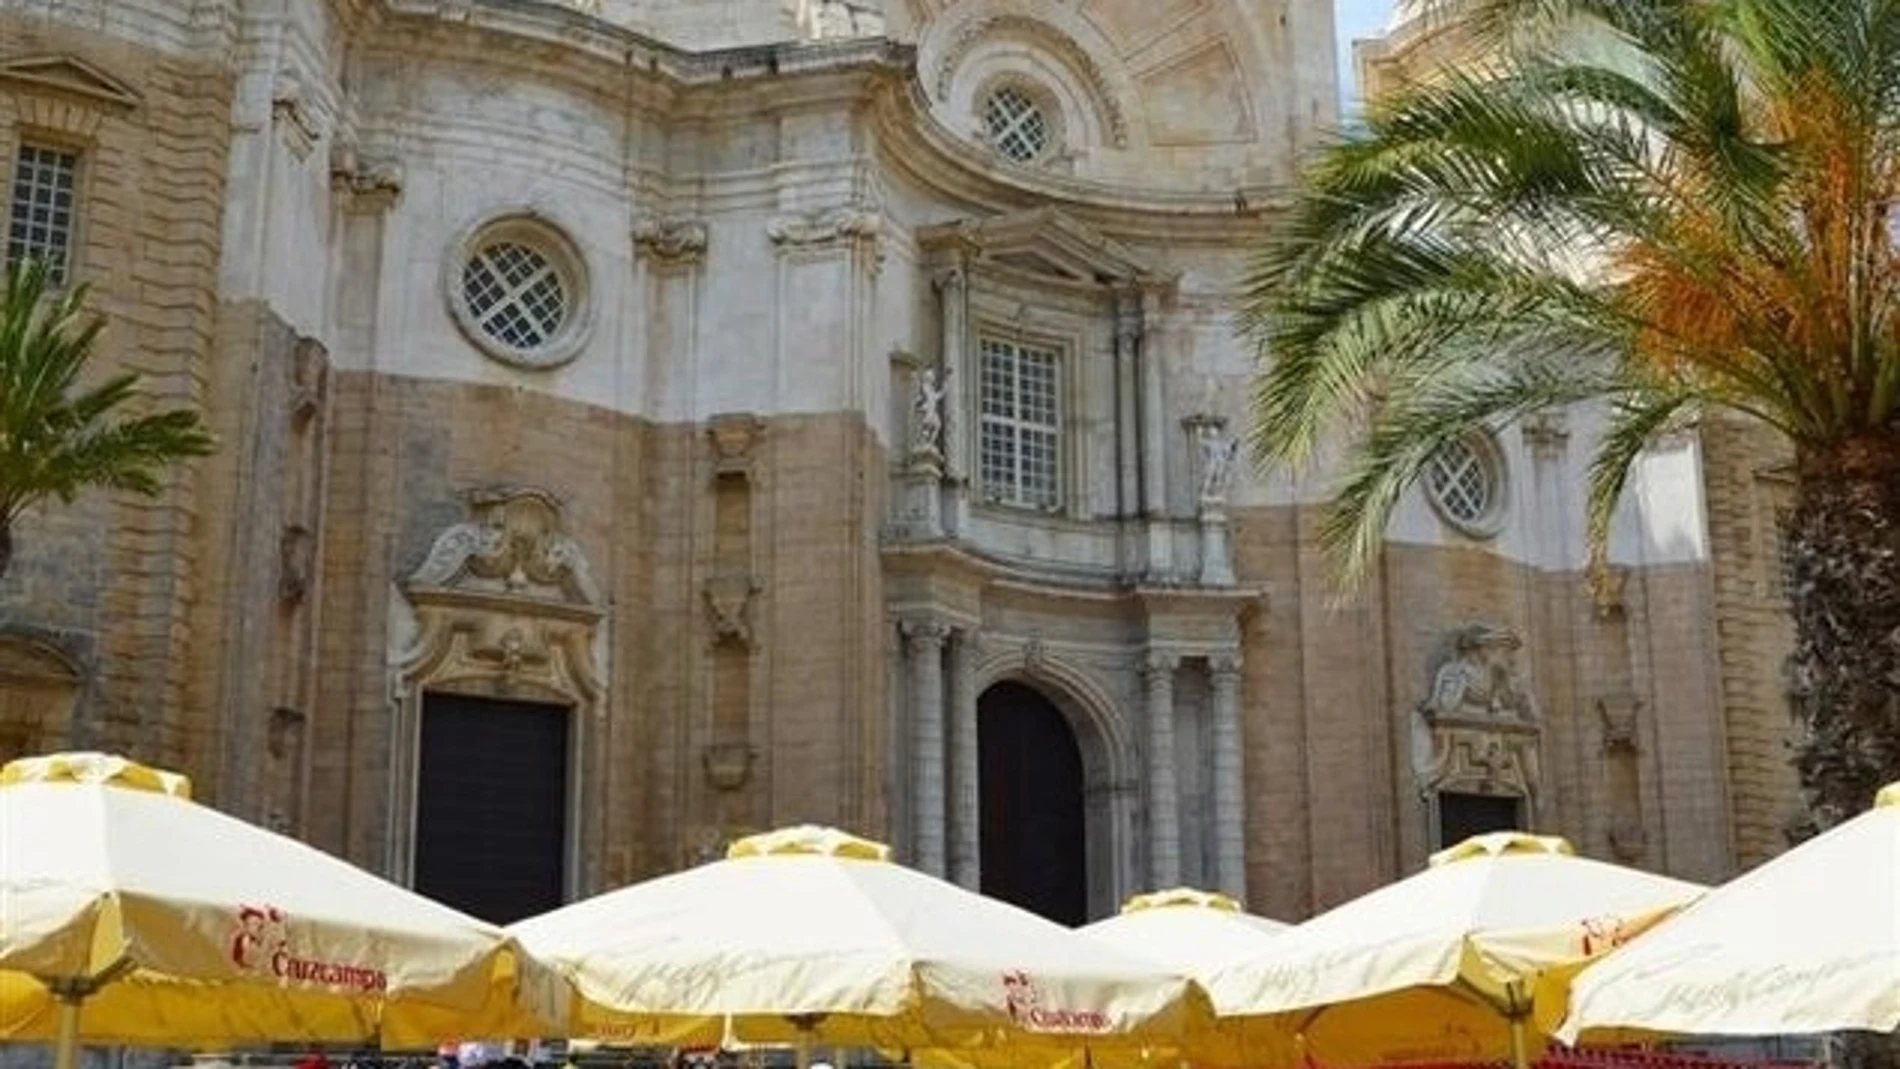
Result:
[
  {"x": 855, "y": 224},
  {"x": 730, "y": 599},
  {"x": 671, "y": 240},
  {"x": 735, "y": 440}
]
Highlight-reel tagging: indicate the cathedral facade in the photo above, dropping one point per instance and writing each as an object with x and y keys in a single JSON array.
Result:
[{"x": 646, "y": 421}]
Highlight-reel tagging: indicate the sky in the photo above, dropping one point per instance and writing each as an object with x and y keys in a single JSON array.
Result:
[{"x": 1356, "y": 18}]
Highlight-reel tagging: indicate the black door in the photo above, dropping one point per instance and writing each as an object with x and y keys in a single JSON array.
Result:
[
  {"x": 1030, "y": 775},
  {"x": 491, "y": 806},
  {"x": 1460, "y": 816}
]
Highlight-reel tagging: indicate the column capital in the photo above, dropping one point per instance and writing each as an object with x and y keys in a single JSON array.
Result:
[
  {"x": 1160, "y": 665},
  {"x": 1224, "y": 665},
  {"x": 924, "y": 630}
]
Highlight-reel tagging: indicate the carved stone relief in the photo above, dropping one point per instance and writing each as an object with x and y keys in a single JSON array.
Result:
[{"x": 1478, "y": 731}]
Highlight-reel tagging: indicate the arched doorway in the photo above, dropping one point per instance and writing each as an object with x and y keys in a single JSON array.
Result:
[{"x": 1033, "y": 825}]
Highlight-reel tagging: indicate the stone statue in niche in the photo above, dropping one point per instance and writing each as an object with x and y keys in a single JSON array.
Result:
[
  {"x": 1481, "y": 680},
  {"x": 927, "y": 408},
  {"x": 1217, "y": 463}
]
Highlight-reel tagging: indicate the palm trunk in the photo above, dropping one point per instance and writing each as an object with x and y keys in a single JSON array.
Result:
[{"x": 1843, "y": 568}]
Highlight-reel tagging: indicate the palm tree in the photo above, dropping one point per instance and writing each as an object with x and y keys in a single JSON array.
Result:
[
  {"x": 1659, "y": 208},
  {"x": 56, "y": 437}
]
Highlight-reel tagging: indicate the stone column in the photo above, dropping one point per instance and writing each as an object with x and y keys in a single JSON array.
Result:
[
  {"x": 1127, "y": 421},
  {"x": 965, "y": 803},
  {"x": 1154, "y": 445},
  {"x": 923, "y": 646},
  {"x": 1164, "y": 803},
  {"x": 1230, "y": 809}
]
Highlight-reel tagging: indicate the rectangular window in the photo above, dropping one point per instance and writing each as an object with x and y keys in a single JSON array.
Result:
[
  {"x": 1021, "y": 424},
  {"x": 40, "y": 212}
]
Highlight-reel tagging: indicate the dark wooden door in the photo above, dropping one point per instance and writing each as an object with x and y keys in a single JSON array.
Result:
[
  {"x": 1033, "y": 848},
  {"x": 1460, "y": 816},
  {"x": 491, "y": 806}
]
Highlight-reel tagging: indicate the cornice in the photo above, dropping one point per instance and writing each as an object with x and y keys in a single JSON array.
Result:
[
  {"x": 582, "y": 33},
  {"x": 878, "y": 74},
  {"x": 913, "y": 141}
]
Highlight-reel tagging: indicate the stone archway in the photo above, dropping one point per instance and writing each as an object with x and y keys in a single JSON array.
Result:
[
  {"x": 1032, "y": 801},
  {"x": 39, "y": 689},
  {"x": 1110, "y": 774}
]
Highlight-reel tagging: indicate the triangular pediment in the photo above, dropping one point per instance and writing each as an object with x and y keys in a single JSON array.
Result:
[
  {"x": 1046, "y": 241},
  {"x": 69, "y": 75}
]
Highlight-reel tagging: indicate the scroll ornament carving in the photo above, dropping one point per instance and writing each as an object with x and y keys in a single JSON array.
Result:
[
  {"x": 855, "y": 222},
  {"x": 1478, "y": 730},
  {"x": 671, "y": 239},
  {"x": 513, "y": 547}
]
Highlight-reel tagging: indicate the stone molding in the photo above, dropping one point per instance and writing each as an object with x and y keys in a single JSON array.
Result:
[{"x": 1060, "y": 46}]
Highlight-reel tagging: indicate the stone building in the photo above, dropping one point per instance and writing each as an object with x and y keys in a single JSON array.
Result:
[{"x": 647, "y": 420}]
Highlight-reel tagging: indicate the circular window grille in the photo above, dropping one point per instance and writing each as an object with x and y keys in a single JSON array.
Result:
[
  {"x": 1016, "y": 125},
  {"x": 514, "y": 294},
  {"x": 520, "y": 293},
  {"x": 1465, "y": 483}
]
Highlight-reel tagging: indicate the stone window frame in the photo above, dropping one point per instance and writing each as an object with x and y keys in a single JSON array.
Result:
[
  {"x": 1066, "y": 344},
  {"x": 1021, "y": 351},
  {"x": 63, "y": 268},
  {"x": 541, "y": 235},
  {"x": 1488, "y": 454},
  {"x": 83, "y": 148}
]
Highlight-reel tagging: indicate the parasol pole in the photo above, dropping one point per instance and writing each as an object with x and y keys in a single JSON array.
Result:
[{"x": 66, "y": 1041}]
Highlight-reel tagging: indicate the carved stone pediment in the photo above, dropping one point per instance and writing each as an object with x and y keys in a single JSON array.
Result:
[
  {"x": 513, "y": 550},
  {"x": 1046, "y": 241},
  {"x": 68, "y": 76}
]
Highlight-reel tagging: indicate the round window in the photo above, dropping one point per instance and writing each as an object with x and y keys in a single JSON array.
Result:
[
  {"x": 519, "y": 293},
  {"x": 1464, "y": 481},
  {"x": 1016, "y": 125}
]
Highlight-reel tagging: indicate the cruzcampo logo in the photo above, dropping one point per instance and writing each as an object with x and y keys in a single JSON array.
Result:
[
  {"x": 1023, "y": 1002},
  {"x": 263, "y": 945}
]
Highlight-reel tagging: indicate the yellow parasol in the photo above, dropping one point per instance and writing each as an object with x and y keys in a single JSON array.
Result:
[
  {"x": 1808, "y": 942},
  {"x": 812, "y": 936},
  {"x": 130, "y": 914},
  {"x": 1440, "y": 966}
]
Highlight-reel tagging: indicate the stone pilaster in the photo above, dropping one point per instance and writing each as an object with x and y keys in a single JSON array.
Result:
[
  {"x": 1164, "y": 803},
  {"x": 1230, "y": 830},
  {"x": 966, "y": 812},
  {"x": 923, "y": 648}
]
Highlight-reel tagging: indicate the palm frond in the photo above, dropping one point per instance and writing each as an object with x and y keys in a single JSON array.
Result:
[{"x": 57, "y": 435}]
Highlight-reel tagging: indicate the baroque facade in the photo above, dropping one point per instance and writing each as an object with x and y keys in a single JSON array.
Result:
[{"x": 646, "y": 421}]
